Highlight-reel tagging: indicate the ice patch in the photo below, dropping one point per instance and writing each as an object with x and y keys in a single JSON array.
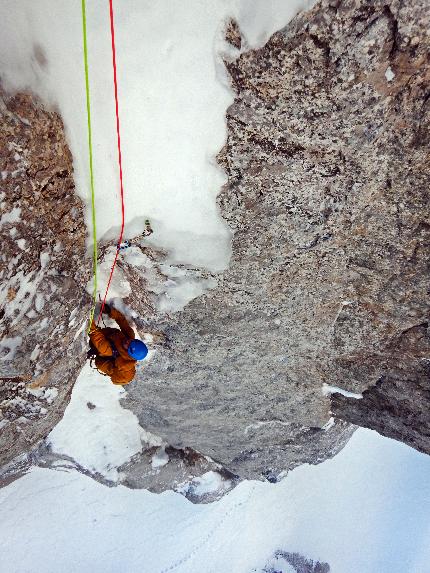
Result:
[
  {"x": 329, "y": 424},
  {"x": 35, "y": 354},
  {"x": 328, "y": 390},
  {"x": 210, "y": 482},
  {"x": 8, "y": 348},
  {"x": 44, "y": 259},
  {"x": 160, "y": 458},
  {"x": 389, "y": 74}
]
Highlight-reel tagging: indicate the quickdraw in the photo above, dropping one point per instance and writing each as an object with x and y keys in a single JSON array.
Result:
[{"x": 146, "y": 232}]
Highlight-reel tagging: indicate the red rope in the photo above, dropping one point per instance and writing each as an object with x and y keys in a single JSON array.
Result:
[{"x": 112, "y": 32}]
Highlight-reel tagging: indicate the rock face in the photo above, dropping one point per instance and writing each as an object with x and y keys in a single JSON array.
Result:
[
  {"x": 328, "y": 195},
  {"x": 398, "y": 404},
  {"x": 42, "y": 271}
]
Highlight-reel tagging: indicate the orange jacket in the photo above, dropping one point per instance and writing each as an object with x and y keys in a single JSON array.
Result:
[{"x": 122, "y": 368}]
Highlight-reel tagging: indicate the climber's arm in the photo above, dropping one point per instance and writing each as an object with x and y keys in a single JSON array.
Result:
[{"x": 122, "y": 323}]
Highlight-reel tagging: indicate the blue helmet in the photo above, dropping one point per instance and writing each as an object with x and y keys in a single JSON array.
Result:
[{"x": 137, "y": 349}]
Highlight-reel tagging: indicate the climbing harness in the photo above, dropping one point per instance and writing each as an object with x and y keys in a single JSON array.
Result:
[
  {"x": 90, "y": 150},
  {"x": 92, "y": 355}
]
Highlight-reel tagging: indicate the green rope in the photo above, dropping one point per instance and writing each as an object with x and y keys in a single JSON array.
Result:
[{"x": 90, "y": 148}]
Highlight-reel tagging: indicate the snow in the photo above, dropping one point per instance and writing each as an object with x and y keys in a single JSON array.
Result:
[
  {"x": 327, "y": 390},
  {"x": 389, "y": 74},
  {"x": 258, "y": 19},
  {"x": 39, "y": 302},
  {"x": 35, "y": 353},
  {"x": 48, "y": 394},
  {"x": 160, "y": 458},
  {"x": 344, "y": 511},
  {"x": 175, "y": 291},
  {"x": 181, "y": 290},
  {"x": 209, "y": 482},
  {"x": 25, "y": 287},
  {"x": 44, "y": 259},
  {"x": 151, "y": 440},
  {"x": 43, "y": 323},
  {"x": 95, "y": 430},
  {"x": 329, "y": 424},
  {"x": 119, "y": 287},
  {"x": 8, "y": 348},
  {"x": 13, "y": 216}
]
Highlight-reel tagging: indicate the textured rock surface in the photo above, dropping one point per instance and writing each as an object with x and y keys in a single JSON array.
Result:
[
  {"x": 42, "y": 274},
  {"x": 297, "y": 562},
  {"x": 398, "y": 405},
  {"x": 327, "y": 158},
  {"x": 44, "y": 271}
]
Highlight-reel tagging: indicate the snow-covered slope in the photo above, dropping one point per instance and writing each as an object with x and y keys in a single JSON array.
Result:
[{"x": 365, "y": 511}]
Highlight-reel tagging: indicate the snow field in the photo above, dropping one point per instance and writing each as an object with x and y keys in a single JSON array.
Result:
[
  {"x": 95, "y": 430},
  {"x": 365, "y": 511}
]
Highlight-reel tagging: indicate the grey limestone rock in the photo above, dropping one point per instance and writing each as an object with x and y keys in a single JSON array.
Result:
[{"x": 328, "y": 195}]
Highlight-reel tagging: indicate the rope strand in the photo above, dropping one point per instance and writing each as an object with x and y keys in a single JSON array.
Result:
[
  {"x": 90, "y": 149},
  {"x": 112, "y": 30}
]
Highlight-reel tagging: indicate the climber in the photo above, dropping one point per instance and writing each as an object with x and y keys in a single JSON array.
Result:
[{"x": 116, "y": 351}]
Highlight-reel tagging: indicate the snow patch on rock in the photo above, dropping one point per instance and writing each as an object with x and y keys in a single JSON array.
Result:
[{"x": 100, "y": 437}]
